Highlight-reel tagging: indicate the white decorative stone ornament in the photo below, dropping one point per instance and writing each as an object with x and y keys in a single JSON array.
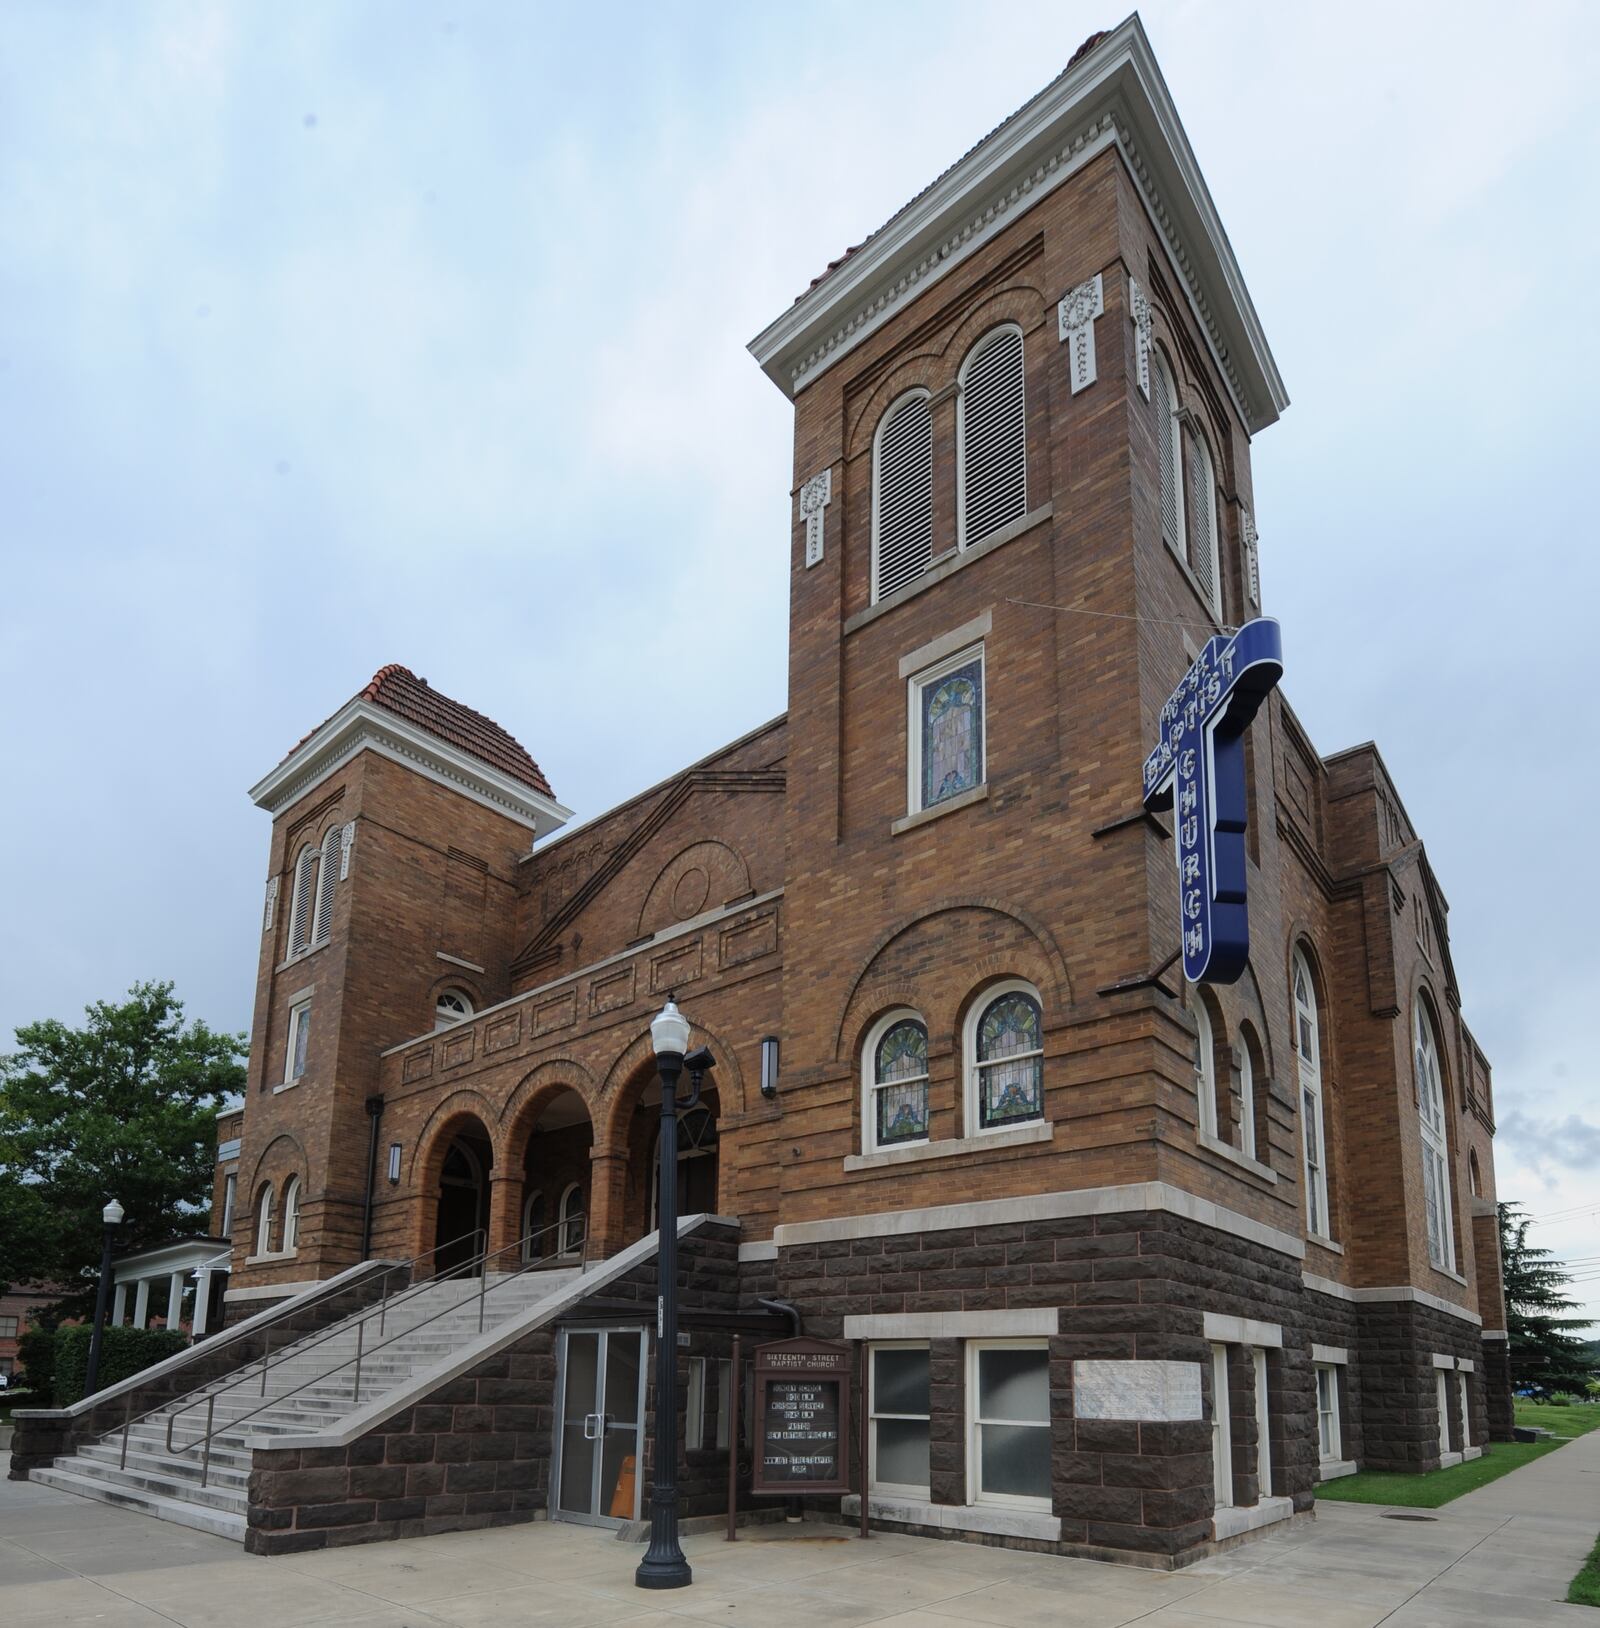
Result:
[
  {"x": 1252, "y": 562},
  {"x": 1148, "y": 1392},
  {"x": 1139, "y": 310},
  {"x": 347, "y": 841},
  {"x": 272, "y": 905},
  {"x": 815, "y": 497},
  {"x": 1076, "y": 312}
]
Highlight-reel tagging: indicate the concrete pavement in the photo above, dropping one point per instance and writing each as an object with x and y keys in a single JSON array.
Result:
[{"x": 1497, "y": 1558}]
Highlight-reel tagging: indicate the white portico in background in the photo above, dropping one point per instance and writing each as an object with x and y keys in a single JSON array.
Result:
[{"x": 168, "y": 1271}]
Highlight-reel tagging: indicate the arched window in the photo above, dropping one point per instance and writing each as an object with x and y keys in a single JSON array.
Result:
[
  {"x": 1435, "y": 1145},
  {"x": 453, "y": 1006},
  {"x": 1247, "y": 1091},
  {"x": 1474, "y": 1174},
  {"x": 534, "y": 1246},
  {"x": 291, "y": 1215},
  {"x": 327, "y": 881},
  {"x": 1169, "y": 449},
  {"x": 571, "y": 1218},
  {"x": 902, "y": 494},
  {"x": 263, "y": 1238},
  {"x": 1204, "y": 547},
  {"x": 1308, "y": 1053},
  {"x": 1005, "y": 1059},
  {"x": 895, "y": 1082},
  {"x": 302, "y": 901},
  {"x": 1205, "y": 1068},
  {"x": 991, "y": 437}
]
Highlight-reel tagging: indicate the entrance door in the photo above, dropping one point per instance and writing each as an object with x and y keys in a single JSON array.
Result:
[{"x": 602, "y": 1426}]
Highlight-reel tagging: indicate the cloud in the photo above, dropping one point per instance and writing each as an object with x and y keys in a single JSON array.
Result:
[{"x": 1572, "y": 1141}]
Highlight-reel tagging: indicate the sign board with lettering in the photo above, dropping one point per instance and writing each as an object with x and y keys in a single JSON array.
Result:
[
  {"x": 1197, "y": 768},
  {"x": 802, "y": 1417}
]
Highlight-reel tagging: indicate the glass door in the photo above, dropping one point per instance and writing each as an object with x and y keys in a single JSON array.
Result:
[{"x": 596, "y": 1475}]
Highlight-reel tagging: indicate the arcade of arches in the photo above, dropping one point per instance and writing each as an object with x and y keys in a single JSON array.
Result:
[{"x": 537, "y": 1185}]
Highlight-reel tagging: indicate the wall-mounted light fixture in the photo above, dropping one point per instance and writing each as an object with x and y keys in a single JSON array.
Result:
[
  {"x": 769, "y": 1066},
  {"x": 394, "y": 1164}
]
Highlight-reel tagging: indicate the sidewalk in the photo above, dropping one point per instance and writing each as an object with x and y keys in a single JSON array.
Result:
[{"x": 1500, "y": 1557}]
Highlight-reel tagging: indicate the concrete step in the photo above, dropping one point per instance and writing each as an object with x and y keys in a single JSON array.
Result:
[
  {"x": 222, "y": 1523},
  {"x": 185, "y": 1467},
  {"x": 167, "y": 1485}
]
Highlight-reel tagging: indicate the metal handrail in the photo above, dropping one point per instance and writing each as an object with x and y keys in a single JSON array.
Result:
[
  {"x": 362, "y": 1352},
  {"x": 296, "y": 1304}
]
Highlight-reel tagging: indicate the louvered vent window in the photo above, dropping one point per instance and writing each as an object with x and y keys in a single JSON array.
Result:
[
  {"x": 1202, "y": 515},
  {"x": 902, "y": 516},
  {"x": 992, "y": 429},
  {"x": 1164, "y": 405},
  {"x": 302, "y": 900},
  {"x": 327, "y": 881}
]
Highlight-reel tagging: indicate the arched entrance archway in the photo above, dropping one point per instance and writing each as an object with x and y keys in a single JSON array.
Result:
[
  {"x": 556, "y": 1179},
  {"x": 698, "y": 1172},
  {"x": 463, "y": 1196}
]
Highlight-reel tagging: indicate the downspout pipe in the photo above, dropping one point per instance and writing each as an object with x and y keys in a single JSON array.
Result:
[{"x": 374, "y": 1114}]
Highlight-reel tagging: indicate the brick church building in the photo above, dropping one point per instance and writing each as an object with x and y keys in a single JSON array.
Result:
[{"x": 1136, "y": 1261}]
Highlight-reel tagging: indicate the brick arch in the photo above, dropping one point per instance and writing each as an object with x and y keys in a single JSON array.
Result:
[
  {"x": 456, "y": 978},
  {"x": 534, "y": 1092},
  {"x": 1194, "y": 393},
  {"x": 299, "y": 1164},
  {"x": 433, "y": 1141},
  {"x": 920, "y": 372},
  {"x": 1253, "y": 1010},
  {"x": 1049, "y": 975},
  {"x": 726, "y": 874},
  {"x": 633, "y": 1071},
  {"x": 1301, "y": 939},
  {"x": 878, "y": 999}
]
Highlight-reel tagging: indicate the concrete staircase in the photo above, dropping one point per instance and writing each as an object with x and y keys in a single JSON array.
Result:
[{"x": 420, "y": 1331}]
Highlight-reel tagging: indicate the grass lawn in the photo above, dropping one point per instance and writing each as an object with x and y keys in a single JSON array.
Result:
[
  {"x": 1436, "y": 1487},
  {"x": 1585, "y": 1587}
]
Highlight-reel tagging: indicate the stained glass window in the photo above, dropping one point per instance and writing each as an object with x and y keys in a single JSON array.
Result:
[
  {"x": 1435, "y": 1149},
  {"x": 900, "y": 1084},
  {"x": 951, "y": 725},
  {"x": 1010, "y": 1061}
]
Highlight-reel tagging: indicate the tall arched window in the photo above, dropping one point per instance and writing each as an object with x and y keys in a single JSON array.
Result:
[
  {"x": 302, "y": 900},
  {"x": 1205, "y": 555},
  {"x": 895, "y": 1082},
  {"x": 991, "y": 437},
  {"x": 571, "y": 1218},
  {"x": 1474, "y": 1174},
  {"x": 1169, "y": 449},
  {"x": 1247, "y": 1091},
  {"x": 902, "y": 494},
  {"x": 1005, "y": 1059},
  {"x": 291, "y": 1215},
  {"x": 1308, "y": 1053},
  {"x": 263, "y": 1238},
  {"x": 1205, "y": 1068},
  {"x": 327, "y": 881},
  {"x": 1435, "y": 1145}
]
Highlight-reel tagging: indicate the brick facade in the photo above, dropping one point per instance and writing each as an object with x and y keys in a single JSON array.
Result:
[{"x": 782, "y": 888}]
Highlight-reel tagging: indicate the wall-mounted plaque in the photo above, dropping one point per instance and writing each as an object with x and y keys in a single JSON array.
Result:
[{"x": 802, "y": 1417}]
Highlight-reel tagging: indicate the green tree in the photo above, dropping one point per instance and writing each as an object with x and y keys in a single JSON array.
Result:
[
  {"x": 1545, "y": 1357},
  {"x": 124, "y": 1107}
]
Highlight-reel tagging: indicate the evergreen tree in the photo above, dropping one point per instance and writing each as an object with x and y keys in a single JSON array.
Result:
[
  {"x": 1545, "y": 1357},
  {"x": 124, "y": 1107}
]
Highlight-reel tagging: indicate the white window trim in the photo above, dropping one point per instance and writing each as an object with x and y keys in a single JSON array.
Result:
[
  {"x": 1247, "y": 1098},
  {"x": 877, "y": 450},
  {"x": 694, "y": 1423},
  {"x": 915, "y": 685},
  {"x": 290, "y": 1228},
  {"x": 869, "y": 1084},
  {"x": 1173, "y": 430},
  {"x": 528, "y": 1203},
  {"x": 261, "y": 1231},
  {"x": 230, "y": 1200},
  {"x": 969, "y": 1056},
  {"x": 894, "y": 1489},
  {"x": 975, "y": 1492},
  {"x": 444, "y": 1018},
  {"x": 1258, "y": 1363},
  {"x": 1210, "y": 521},
  {"x": 981, "y": 345},
  {"x": 302, "y": 875},
  {"x": 290, "y": 1078},
  {"x": 1221, "y": 1431},
  {"x": 1309, "y": 1074},
  {"x": 1205, "y": 1074},
  {"x": 564, "y": 1216},
  {"x": 1335, "y": 1455},
  {"x": 322, "y": 898},
  {"x": 1435, "y": 1143}
]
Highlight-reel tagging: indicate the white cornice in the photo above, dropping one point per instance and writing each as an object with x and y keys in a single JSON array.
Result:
[
  {"x": 361, "y": 726},
  {"x": 1114, "y": 98}
]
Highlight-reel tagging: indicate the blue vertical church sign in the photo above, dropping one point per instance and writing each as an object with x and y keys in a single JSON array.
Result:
[{"x": 1198, "y": 769}]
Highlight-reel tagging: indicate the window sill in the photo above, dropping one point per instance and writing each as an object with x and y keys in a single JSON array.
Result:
[
  {"x": 1323, "y": 1242},
  {"x": 1226, "y": 1150},
  {"x": 1448, "y": 1459},
  {"x": 966, "y": 799},
  {"x": 949, "y": 562},
  {"x": 1332, "y": 1469},
  {"x": 1445, "y": 1272},
  {"x": 1230, "y": 1521},
  {"x": 286, "y": 1085},
  {"x": 1042, "y": 1130},
  {"x": 1470, "y": 1453},
  {"x": 271, "y": 1257},
  {"x": 1006, "y": 1523},
  {"x": 302, "y": 956}
]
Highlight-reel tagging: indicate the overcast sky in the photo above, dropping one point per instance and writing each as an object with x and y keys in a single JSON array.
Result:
[{"x": 339, "y": 334}]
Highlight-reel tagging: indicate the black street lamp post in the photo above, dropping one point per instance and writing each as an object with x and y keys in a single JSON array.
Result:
[
  {"x": 111, "y": 1215},
  {"x": 664, "y": 1565}
]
